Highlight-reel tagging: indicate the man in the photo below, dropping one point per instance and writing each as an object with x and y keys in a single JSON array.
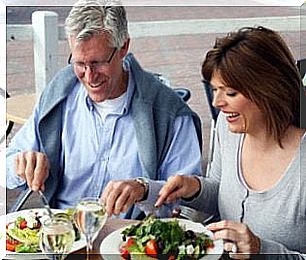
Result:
[{"x": 103, "y": 122}]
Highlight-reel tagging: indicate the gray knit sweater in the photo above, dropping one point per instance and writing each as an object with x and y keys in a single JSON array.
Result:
[{"x": 277, "y": 216}]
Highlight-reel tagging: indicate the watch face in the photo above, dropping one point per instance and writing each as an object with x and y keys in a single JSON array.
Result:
[{"x": 145, "y": 184}]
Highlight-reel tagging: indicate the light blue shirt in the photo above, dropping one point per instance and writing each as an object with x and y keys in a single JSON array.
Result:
[{"x": 96, "y": 151}]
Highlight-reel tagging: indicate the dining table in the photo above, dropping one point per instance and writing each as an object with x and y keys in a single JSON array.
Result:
[{"x": 20, "y": 107}]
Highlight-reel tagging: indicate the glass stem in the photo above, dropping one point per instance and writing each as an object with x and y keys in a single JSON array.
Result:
[
  {"x": 88, "y": 247},
  {"x": 57, "y": 257}
]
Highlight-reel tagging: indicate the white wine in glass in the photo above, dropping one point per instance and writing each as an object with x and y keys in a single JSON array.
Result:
[
  {"x": 90, "y": 216},
  {"x": 57, "y": 237}
]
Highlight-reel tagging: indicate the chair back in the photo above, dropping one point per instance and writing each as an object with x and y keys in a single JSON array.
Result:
[
  {"x": 209, "y": 95},
  {"x": 214, "y": 115},
  {"x": 302, "y": 68},
  {"x": 182, "y": 92}
]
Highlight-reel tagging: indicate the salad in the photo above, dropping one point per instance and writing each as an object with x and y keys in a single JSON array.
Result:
[
  {"x": 155, "y": 238},
  {"x": 22, "y": 235}
]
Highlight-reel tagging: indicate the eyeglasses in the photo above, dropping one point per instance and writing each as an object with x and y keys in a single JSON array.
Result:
[{"x": 80, "y": 67}]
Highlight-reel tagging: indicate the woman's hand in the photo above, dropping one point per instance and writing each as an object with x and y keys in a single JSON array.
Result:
[
  {"x": 240, "y": 240},
  {"x": 178, "y": 186}
]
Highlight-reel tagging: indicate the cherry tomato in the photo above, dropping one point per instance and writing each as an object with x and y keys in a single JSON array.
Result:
[
  {"x": 124, "y": 253},
  {"x": 10, "y": 246},
  {"x": 23, "y": 224},
  {"x": 151, "y": 248},
  {"x": 130, "y": 242},
  {"x": 171, "y": 257},
  {"x": 12, "y": 240}
]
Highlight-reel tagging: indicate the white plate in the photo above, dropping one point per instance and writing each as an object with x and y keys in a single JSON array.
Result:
[
  {"x": 41, "y": 211},
  {"x": 109, "y": 247}
]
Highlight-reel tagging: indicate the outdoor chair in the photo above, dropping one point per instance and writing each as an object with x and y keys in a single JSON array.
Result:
[
  {"x": 182, "y": 92},
  {"x": 3, "y": 96},
  {"x": 214, "y": 115},
  {"x": 9, "y": 123},
  {"x": 302, "y": 68}
]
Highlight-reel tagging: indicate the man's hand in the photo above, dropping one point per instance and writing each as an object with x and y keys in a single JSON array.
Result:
[
  {"x": 33, "y": 167},
  {"x": 118, "y": 196}
]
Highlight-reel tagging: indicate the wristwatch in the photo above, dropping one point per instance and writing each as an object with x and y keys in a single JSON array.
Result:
[{"x": 144, "y": 182}]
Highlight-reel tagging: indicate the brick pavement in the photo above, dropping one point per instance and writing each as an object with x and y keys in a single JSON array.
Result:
[
  {"x": 177, "y": 57},
  {"x": 22, "y": 15}
]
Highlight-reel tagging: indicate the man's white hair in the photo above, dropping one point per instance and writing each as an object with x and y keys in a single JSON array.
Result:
[{"x": 90, "y": 17}]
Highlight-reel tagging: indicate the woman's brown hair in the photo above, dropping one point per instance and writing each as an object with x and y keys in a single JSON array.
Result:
[{"x": 257, "y": 63}]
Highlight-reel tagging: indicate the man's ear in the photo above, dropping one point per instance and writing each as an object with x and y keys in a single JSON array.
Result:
[{"x": 124, "y": 49}]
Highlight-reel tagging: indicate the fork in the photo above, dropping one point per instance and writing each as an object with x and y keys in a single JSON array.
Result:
[
  {"x": 192, "y": 214},
  {"x": 46, "y": 203}
]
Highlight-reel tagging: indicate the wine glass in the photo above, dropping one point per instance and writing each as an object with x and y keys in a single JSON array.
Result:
[
  {"x": 90, "y": 216},
  {"x": 57, "y": 237}
]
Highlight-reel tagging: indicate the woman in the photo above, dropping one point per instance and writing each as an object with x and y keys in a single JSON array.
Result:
[{"x": 257, "y": 182}]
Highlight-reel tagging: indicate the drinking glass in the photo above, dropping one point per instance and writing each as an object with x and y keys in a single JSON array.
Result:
[
  {"x": 57, "y": 237},
  {"x": 90, "y": 216}
]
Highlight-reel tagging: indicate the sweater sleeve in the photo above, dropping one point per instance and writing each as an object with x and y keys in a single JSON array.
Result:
[{"x": 270, "y": 247}]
